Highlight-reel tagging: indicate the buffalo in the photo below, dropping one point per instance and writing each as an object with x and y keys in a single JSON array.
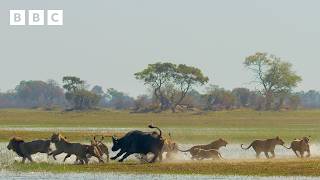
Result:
[{"x": 138, "y": 142}]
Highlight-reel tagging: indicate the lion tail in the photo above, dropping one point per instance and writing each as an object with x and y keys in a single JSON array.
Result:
[
  {"x": 188, "y": 150},
  {"x": 287, "y": 147},
  {"x": 246, "y": 148}
]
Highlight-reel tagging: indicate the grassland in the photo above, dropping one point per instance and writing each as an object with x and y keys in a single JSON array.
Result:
[{"x": 234, "y": 126}]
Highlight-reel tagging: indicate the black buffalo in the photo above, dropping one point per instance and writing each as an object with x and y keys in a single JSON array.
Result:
[{"x": 138, "y": 142}]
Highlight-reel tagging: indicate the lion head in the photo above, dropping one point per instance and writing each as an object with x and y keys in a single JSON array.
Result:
[
  {"x": 14, "y": 144},
  {"x": 306, "y": 139},
  {"x": 56, "y": 137},
  {"x": 219, "y": 143},
  {"x": 279, "y": 141}
]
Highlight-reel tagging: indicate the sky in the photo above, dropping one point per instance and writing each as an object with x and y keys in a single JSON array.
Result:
[{"x": 105, "y": 42}]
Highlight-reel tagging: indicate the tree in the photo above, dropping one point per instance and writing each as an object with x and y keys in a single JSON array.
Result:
[
  {"x": 143, "y": 103},
  {"x": 242, "y": 96},
  {"x": 157, "y": 76},
  {"x": 98, "y": 90},
  {"x": 310, "y": 99},
  {"x": 218, "y": 98},
  {"x": 119, "y": 100},
  {"x": 39, "y": 93},
  {"x": 83, "y": 99},
  {"x": 294, "y": 101},
  {"x": 77, "y": 95},
  {"x": 171, "y": 82},
  {"x": 72, "y": 83},
  {"x": 275, "y": 76}
]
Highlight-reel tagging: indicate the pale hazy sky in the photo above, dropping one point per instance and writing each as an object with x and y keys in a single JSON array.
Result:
[{"x": 106, "y": 42}]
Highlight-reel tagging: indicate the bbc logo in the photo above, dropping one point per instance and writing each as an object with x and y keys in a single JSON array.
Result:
[{"x": 36, "y": 17}]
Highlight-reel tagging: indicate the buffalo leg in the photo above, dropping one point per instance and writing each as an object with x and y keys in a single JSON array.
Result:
[
  {"x": 118, "y": 155},
  {"x": 266, "y": 154},
  {"x": 125, "y": 156},
  {"x": 154, "y": 157},
  {"x": 23, "y": 159}
]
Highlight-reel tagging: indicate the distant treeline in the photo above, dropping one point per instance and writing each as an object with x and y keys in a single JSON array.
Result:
[
  {"x": 47, "y": 95},
  {"x": 173, "y": 87}
]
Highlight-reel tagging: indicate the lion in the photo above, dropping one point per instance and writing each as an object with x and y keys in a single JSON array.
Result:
[
  {"x": 213, "y": 145},
  {"x": 26, "y": 149},
  {"x": 95, "y": 149},
  {"x": 300, "y": 145},
  {"x": 102, "y": 148},
  {"x": 170, "y": 147},
  {"x": 206, "y": 154},
  {"x": 265, "y": 146},
  {"x": 63, "y": 146}
]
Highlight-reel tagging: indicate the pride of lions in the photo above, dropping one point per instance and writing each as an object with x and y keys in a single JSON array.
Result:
[{"x": 141, "y": 144}]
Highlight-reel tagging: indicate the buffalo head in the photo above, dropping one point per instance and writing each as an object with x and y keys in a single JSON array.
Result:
[{"x": 116, "y": 145}]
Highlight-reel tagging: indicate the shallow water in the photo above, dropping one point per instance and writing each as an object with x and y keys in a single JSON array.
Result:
[{"x": 115, "y": 176}]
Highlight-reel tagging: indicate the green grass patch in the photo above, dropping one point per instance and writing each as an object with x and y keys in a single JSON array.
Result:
[{"x": 234, "y": 126}]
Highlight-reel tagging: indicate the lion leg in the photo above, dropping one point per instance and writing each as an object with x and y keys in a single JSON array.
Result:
[
  {"x": 273, "y": 154},
  {"x": 295, "y": 152},
  {"x": 86, "y": 160},
  {"x": 54, "y": 153},
  {"x": 160, "y": 156},
  {"x": 301, "y": 154},
  {"x": 48, "y": 152},
  {"x": 108, "y": 157},
  {"x": 77, "y": 160},
  {"x": 67, "y": 156},
  {"x": 29, "y": 158},
  {"x": 83, "y": 160},
  {"x": 80, "y": 160},
  {"x": 99, "y": 158},
  {"x": 168, "y": 155},
  {"x": 308, "y": 151},
  {"x": 258, "y": 154}
]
